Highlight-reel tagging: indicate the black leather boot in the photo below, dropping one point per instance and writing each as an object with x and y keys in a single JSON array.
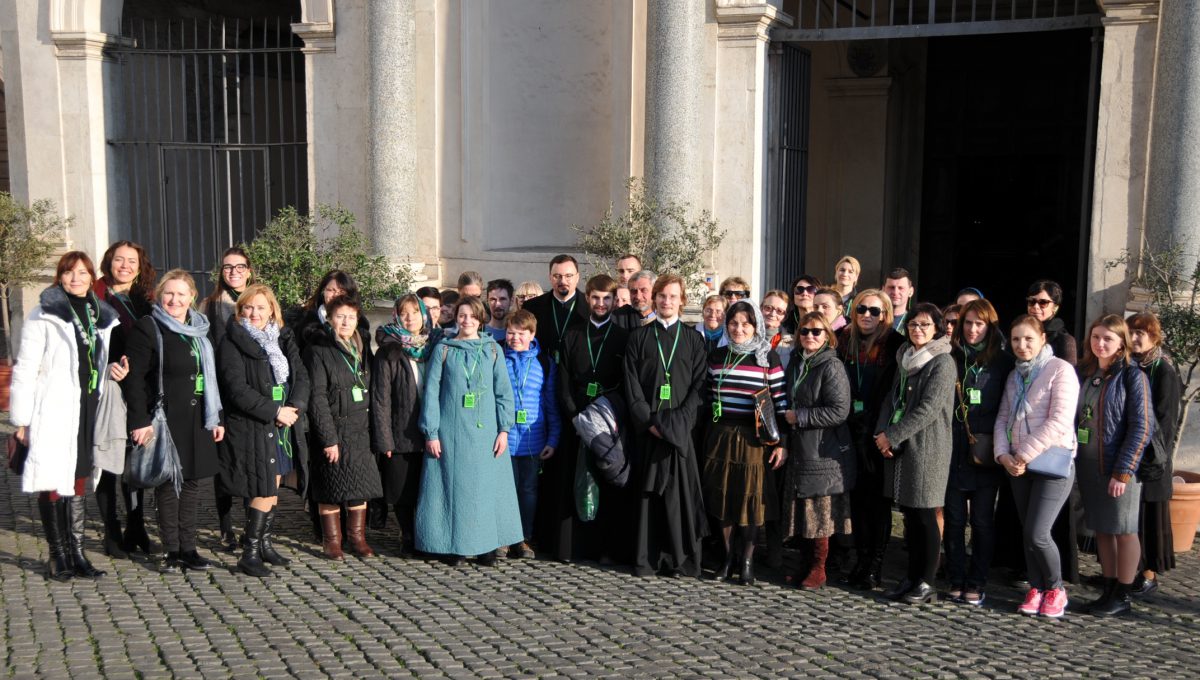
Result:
[
  {"x": 135, "y": 537},
  {"x": 266, "y": 548},
  {"x": 251, "y": 562},
  {"x": 725, "y": 571},
  {"x": 1106, "y": 595},
  {"x": 1118, "y": 601},
  {"x": 106, "y": 501},
  {"x": 73, "y": 511},
  {"x": 58, "y": 567}
]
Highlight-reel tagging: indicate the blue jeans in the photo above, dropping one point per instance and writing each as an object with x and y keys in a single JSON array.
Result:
[
  {"x": 525, "y": 474},
  {"x": 982, "y": 514}
]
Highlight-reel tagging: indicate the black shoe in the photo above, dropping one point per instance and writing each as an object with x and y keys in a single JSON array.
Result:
[
  {"x": 1019, "y": 579},
  {"x": 190, "y": 559},
  {"x": 726, "y": 569},
  {"x": 1106, "y": 595},
  {"x": 900, "y": 590},
  {"x": 922, "y": 593},
  {"x": 170, "y": 564},
  {"x": 748, "y": 572},
  {"x": 1143, "y": 586},
  {"x": 488, "y": 559},
  {"x": 251, "y": 562},
  {"x": 267, "y": 548},
  {"x": 135, "y": 538},
  {"x": 454, "y": 560},
  {"x": 1118, "y": 602},
  {"x": 230, "y": 542},
  {"x": 72, "y": 510},
  {"x": 58, "y": 566}
]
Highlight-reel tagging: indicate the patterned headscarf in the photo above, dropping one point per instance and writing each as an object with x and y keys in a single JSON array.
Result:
[{"x": 758, "y": 345}]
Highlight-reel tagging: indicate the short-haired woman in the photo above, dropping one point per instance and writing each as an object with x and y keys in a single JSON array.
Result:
[
  {"x": 845, "y": 281},
  {"x": 172, "y": 341},
  {"x": 915, "y": 441},
  {"x": 344, "y": 470},
  {"x": 775, "y": 311},
  {"x": 266, "y": 391},
  {"x": 1156, "y": 471},
  {"x": 975, "y": 478},
  {"x": 1115, "y": 422},
  {"x": 525, "y": 291},
  {"x": 313, "y": 322},
  {"x": 1042, "y": 302},
  {"x": 468, "y": 500},
  {"x": 801, "y": 300},
  {"x": 712, "y": 322},
  {"x": 56, "y": 386},
  {"x": 1036, "y": 414}
]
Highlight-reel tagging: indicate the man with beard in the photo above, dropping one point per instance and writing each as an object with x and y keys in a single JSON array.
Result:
[
  {"x": 558, "y": 311},
  {"x": 593, "y": 365},
  {"x": 499, "y": 298},
  {"x": 640, "y": 310},
  {"x": 665, "y": 375}
]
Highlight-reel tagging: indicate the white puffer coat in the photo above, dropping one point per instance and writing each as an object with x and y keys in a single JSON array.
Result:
[{"x": 45, "y": 390}]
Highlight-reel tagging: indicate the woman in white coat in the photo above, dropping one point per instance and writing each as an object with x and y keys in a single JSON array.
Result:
[{"x": 56, "y": 386}]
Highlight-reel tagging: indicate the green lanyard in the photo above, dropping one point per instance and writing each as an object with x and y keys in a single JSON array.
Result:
[
  {"x": 596, "y": 357},
  {"x": 898, "y": 399},
  {"x": 664, "y": 391},
  {"x": 726, "y": 368},
  {"x": 475, "y": 366},
  {"x": 521, "y": 391},
  {"x": 803, "y": 374},
  {"x": 354, "y": 367},
  {"x": 89, "y": 341},
  {"x": 1091, "y": 395},
  {"x": 125, "y": 302},
  {"x": 563, "y": 328}
]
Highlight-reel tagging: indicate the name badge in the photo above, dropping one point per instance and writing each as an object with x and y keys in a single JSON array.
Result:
[
  {"x": 897, "y": 415},
  {"x": 356, "y": 393},
  {"x": 93, "y": 380},
  {"x": 277, "y": 393},
  {"x": 199, "y": 383},
  {"x": 716, "y": 411},
  {"x": 1084, "y": 435},
  {"x": 975, "y": 396},
  {"x": 469, "y": 400},
  {"x": 593, "y": 389},
  {"x": 858, "y": 406},
  {"x": 522, "y": 416},
  {"x": 664, "y": 393}
]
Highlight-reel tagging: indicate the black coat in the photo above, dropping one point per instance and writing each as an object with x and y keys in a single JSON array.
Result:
[
  {"x": 248, "y": 456},
  {"x": 335, "y": 418},
  {"x": 185, "y": 409},
  {"x": 395, "y": 400},
  {"x": 821, "y": 459},
  {"x": 608, "y": 346},
  {"x": 989, "y": 379},
  {"x": 628, "y": 317},
  {"x": 1061, "y": 342},
  {"x": 872, "y": 390},
  {"x": 1166, "y": 396},
  {"x": 545, "y": 307}
]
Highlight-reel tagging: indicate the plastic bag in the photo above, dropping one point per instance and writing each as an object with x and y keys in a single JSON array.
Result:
[{"x": 587, "y": 492}]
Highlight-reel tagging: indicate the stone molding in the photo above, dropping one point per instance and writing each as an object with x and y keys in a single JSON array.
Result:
[
  {"x": 1119, "y": 12},
  {"x": 874, "y": 86},
  {"x": 318, "y": 36},
  {"x": 87, "y": 45},
  {"x": 748, "y": 21}
]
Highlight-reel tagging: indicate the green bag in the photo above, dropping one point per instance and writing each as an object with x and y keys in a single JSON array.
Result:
[{"x": 587, "y": 493}]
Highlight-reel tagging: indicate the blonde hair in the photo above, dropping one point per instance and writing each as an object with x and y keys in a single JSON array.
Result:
[
  {"x": 848, "y": 259},
  {"x": 885, "y": 319},
  {"x": 176, "y": 275},
  {"x": 1114, "y": 324},
  {"x": 264, "y": 290}
]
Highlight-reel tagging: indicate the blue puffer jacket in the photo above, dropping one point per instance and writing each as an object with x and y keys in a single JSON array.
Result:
[
  {"x": 534, "y": 393},
  {"x": 1126, "y": 419}
]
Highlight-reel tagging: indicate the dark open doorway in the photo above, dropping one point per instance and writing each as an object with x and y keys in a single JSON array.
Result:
[{"x": 1006, "y": 179}]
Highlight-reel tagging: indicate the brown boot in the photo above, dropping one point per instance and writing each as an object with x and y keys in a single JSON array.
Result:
[
  {"x": 356, "y": 527},
  {"x": 816, "y": 574},
  {"x": 331, "y": 535}
]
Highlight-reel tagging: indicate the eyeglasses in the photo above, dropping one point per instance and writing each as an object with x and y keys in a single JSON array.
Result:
[
  {"x": 523, "y": 298},
  {"x": 563, "y": 277},
  {"x": 870, "y": 311},
  {"x": 800, "y": 290},
  {"x": 766, "y": 309},
  {"x": 739, "y": 294},
  {"x": 920, "y": 325},
  {"x": 1040, "y": 302},
  {"x": 810, "y": 331},
  {"x": 240, "y": 268}
]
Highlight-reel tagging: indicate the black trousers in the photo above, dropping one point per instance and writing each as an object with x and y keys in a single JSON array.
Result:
[
  {"x": 177, "y": 516},
  {"x": 871, "y": 517},
  {"x": 923, "y": 542}
]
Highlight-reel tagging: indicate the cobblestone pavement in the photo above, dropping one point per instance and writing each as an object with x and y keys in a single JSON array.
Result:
[{"x": 388, "y": 617}]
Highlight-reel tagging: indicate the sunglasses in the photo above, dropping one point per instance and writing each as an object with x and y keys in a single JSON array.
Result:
[
  {"x": 800, "y": 290},
  {"x": 1040, "y": 302},
  {"x": 871, "y": 311},
  {"x": 810, "y": 331},
  {"x": 739, "y": 294}
]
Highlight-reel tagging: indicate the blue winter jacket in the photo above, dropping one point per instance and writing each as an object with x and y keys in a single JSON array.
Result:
[
  {"x": 534, "y": 393},
  {"x": 1126, "y": 419}
]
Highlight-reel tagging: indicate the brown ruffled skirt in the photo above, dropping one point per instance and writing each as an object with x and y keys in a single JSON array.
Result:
[{"x": 733, "y": 477}]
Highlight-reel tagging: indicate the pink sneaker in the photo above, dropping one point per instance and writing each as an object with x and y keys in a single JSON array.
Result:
[
  {"x": 1054, "y": 603},
  {"x": 1033, "y": 602}
]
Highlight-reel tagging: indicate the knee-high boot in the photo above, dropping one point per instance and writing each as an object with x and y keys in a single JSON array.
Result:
[
  {"x": 74, "y": 510},
  {"x": 58, "y": 567},
  {"x": 267, "y": 548},
  {"x": 106, "y": 500},
  {"x": 816, "y": 574}
]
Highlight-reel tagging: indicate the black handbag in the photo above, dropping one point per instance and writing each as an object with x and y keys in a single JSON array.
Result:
[
  {"x": 765, "y": 424},
  {"x": 157, "y": 461},
  {"x": 17, "y": 453},
  {"x": 979, "y": 445}
]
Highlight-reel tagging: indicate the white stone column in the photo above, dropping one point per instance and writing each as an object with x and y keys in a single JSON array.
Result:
[
  {"x": 739, "y": 152},
  {"x": 1122, "y": 137},
  {"x": 675, "y": 47},
  {"x": 391, "y": 30},
  {"x": 1173, "y": 200}
]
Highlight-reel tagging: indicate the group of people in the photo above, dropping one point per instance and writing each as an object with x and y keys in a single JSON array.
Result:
[{"x": 593, "y": 423}]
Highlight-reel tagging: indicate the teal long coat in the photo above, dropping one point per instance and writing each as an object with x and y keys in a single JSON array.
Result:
[{"x": 468, "y": 502}]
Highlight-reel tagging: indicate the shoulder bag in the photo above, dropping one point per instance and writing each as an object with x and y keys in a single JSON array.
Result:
[
  {"x": 1055, "y": 462},
  {"x": 979, "y": 445},
  {"x": 765, "y": 424},
  {"x": 157, "y": 461}
]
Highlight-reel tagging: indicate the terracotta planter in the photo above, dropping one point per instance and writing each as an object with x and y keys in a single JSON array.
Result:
[
  {"x": 1185, "y": 509},
  {"x": 6, "y": 366}
]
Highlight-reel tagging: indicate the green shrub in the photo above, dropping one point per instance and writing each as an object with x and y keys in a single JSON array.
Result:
[{"x": 28, "y": 236}]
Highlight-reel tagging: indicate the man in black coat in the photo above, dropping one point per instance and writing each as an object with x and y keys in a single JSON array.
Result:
[
  {"x": 640, "y": 310},
  {"x": 593, "y": 359}
]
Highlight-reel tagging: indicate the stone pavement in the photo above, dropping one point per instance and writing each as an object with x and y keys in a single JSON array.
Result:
[{"x": 388, "y": 617}]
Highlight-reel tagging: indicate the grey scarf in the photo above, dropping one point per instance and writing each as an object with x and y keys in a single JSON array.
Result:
[
  {"x": 1027, "y": 372},
  {"x": 913, "y": 360},
  {"x": 197, "y": 329},
  {"x": 758, "y": 345},
  {"x": 268, "y": 340}
]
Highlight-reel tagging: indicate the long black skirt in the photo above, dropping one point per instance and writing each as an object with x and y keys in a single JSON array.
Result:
[
  {"x": 401, "y": 476},
  {"x": 1154, "y": 532}
]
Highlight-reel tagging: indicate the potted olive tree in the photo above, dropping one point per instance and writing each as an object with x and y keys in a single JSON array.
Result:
[{"x": 27, "y": 237}]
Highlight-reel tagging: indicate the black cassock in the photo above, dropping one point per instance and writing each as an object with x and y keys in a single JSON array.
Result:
[{"x": 671, "y": 519}]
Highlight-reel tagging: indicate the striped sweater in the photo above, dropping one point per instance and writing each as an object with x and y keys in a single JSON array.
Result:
[{"x": 733, "y": 384}]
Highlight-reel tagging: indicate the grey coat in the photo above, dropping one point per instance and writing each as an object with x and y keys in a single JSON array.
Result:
[
  {"x": 820, "y": 459},
  {"x": 921, "y": 439}
]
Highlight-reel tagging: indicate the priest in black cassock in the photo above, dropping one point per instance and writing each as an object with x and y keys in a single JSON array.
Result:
[
  {"x": 558, "y": 311},
  {"x": 593, "y": 365},
  {"x": 664, "y": 383}
]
